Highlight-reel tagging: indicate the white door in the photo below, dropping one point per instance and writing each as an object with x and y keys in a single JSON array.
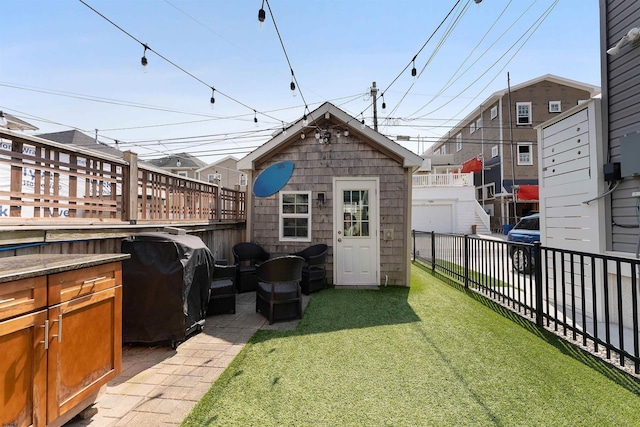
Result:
[{"x": 356, "y": 257}]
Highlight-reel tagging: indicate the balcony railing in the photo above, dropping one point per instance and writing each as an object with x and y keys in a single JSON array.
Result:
[
  {"x": 443, "y": 180},
  {"x": 41, "y": 181}
]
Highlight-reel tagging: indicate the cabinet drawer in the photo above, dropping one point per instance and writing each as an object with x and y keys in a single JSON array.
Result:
[
  {"x": 22, "y": 296},
  {"x": 76, "y": 283}
]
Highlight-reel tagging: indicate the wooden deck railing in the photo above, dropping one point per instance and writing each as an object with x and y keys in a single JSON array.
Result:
[{"x": 45, "y": 181}]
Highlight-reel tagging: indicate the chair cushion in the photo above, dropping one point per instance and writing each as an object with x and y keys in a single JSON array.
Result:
[
  {"x": 221, "y": 287},
  {"x": 283, "y": 291}
]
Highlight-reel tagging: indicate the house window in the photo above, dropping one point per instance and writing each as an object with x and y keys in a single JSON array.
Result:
[
  {"x": 443, "y": 150},
  {"x": 494, "y": 151},
  {"x": 242, "y": 179},
  {"x": 472, "y": 127},
  {"x": 459, "y": 142},
  {"x": 555, "y": 106},
  {"x": 525, "y": 156},
  {"x": 183, "y": 174},
  {"x": 437, "y": 152},
  {"x": 494, "y": 112},
  {"x": 211, "y": 178},
  {"x": 523, "y": 113},
  {"x": 295, "y": 216},
  {"x": 479, "y": 123}
]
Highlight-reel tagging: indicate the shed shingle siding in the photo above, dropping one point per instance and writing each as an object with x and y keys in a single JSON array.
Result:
[{"x": 621, "y": 89}]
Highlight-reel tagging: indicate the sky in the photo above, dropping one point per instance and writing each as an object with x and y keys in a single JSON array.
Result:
[{"x": 71, "y": 64}]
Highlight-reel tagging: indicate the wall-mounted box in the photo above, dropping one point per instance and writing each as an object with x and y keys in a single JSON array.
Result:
[{"x": 630, "y": 155}]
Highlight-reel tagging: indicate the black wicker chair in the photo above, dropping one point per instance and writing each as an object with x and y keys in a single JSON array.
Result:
[
  {"x": 278, "y": 293},
  {"x": 314, "y": 272},
  {"x": 222, "y": 291},
  {"x": 247, "y": 256}
]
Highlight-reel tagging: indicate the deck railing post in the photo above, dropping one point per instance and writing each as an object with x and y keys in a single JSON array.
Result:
[
  {"x": 537, "y": 266},
  {"x": 413, "y": 237}
]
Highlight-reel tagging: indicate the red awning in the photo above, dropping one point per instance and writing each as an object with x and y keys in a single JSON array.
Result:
[
  {"x": 472, "y": 165},
  {"x": 528, "y": 192}
]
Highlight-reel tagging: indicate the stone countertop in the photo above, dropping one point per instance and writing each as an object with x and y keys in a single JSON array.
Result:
[{"x": 26, "y": 266}]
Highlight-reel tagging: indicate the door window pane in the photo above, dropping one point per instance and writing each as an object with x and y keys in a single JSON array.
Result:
[{"x": 355, "y": 205}]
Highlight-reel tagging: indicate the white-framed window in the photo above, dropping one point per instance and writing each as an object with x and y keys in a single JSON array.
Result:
[
  {"x": 494, "y": 112},
  {"x": 295, "y": 216},
  {"x": 212, "y": 177},
  {"x": 525, "y": 155},
  {"x": 555, "y": 106},
  {"x": 479, "y": 123},
  {"x": 472, "y": 127},
  {"x": 443, "y": 150},
  {"x": 494, "y": 151},
  {"x": 459, "y": 142},
  {"x": 523, "y": 113},
  {"x": 242, "y": 179},
  {"x": 183, "y": 174}
]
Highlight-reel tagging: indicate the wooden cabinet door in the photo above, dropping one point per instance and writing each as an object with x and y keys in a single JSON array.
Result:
[
  {"x": 85, "y": 349},
  {"x": 23, "y": 369}
]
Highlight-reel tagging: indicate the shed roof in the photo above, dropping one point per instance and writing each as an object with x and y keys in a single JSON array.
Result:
[
  {"x": 80, "y": 139},
  {"x": 317, "y": 118}
]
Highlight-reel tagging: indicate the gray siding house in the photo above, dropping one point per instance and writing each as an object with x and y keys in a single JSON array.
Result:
[
  {"x": 621, "y": 118},
  {"x": 345, "y": 177}
]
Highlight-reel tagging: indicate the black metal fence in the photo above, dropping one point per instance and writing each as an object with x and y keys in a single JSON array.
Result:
[{"x": 588, "y": 298}]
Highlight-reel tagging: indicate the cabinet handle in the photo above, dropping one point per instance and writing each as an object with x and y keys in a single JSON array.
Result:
[
  {"x": 59, "y": 328},
  {"x": 92, "y": 281},
  {"x": 46, "y": 335},
  {"x": 2, "y": 301}
]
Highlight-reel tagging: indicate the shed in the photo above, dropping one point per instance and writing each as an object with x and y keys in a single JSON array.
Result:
[{"x": 350, "y": 188}]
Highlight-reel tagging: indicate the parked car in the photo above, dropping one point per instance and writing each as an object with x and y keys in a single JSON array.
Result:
[{"x": 527, "y": 230}]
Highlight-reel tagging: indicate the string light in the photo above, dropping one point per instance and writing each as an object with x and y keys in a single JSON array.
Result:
[
  {"x": 384, "y": 104},
  {"x": 302, "y": 135},
  {"x": 255, "y": 118},
  {"x": 143, "y": 60},
  {"x": 284, "y": 130},
  {"x": 262, "y": 14},
  {"x": 305, "y": 121},
  {"x": 414, "y": 72},
  {"x": 362, "y": 125},
  {"x": 293, "y": 87},
  {"x": 213, "y": 99}
]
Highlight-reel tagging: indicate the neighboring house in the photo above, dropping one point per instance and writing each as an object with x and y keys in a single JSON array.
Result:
[
  {"x": 498, "y": 142},
  {"x": 80, "y": 139},
  {"x": 11, "y": 122},
  {"x": 181, "y": 164},
  {"x": 621, "y": 120},
  {"x": 224, "y": 173},
  {"x": 340, "y": 167}
]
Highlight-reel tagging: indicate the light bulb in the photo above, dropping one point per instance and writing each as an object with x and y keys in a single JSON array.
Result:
[
  {"x": 362, "y": 124},
  {"x": 304, "y": 120},
  {"x": 346, "y": 132},
  {"x": 212, "y": 102},
  {"x": 255, "y": 118},
  {"x": 302, "y": 135},
  {"x": 293, "y": 88},
  {"x": 317, "y": 134},
  {"x": 261, "y": 15},
  {"x": 143, "y": 60}
]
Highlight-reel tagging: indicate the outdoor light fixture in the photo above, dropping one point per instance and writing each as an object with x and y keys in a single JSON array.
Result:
[
  {"x": 630, "y": 37},
  {"x": 305, "y": 121},
  {"x": 284, "y": 130},
  {"x": 293, "y": 87},
  {"x": 213, "y": 99},
  {"x": 302, "y": 135},
  {"x": 414, "y": 72},
  {"x": 384, "y": 104},
  {"x": 255, "y": 118},
  {"x": 262, "y": 14},
  {"x": 317, "y": 134},
  {"x": 143, "y": 60},
  {"x": 178, "y": 163},
  {"x": 327, "y": 137},
  {"x": 362, "y": 124},
  {"x": 3, "y": 119},
  {"x": 346, "y": 132},
  {"x": 320, "y": 198}
]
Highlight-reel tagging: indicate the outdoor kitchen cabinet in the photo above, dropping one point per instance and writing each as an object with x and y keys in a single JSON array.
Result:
[{"x": 60, "y": 334}]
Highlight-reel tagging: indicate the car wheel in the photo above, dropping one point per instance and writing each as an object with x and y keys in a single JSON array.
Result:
[{"x": 521, "y": 258}]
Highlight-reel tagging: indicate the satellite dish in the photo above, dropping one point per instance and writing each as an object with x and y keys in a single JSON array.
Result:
[{"x": 272, "y": 179}]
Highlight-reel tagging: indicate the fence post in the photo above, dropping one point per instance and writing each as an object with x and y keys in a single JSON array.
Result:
[
  {"x": 413, "y": 237},
  {"x": 466, "y": 261},
  {"x": 537, "y": 266},
  {"x": 433, "y": 251}
]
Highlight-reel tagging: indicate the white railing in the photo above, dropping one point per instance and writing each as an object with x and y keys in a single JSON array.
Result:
[{"x": 443, "y": 180}]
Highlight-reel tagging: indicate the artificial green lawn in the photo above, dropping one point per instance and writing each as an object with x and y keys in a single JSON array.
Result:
[{"x": 434, "y": 355}]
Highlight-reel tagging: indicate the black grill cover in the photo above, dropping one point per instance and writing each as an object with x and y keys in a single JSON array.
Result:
[{"x": 165, "y": 286}]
